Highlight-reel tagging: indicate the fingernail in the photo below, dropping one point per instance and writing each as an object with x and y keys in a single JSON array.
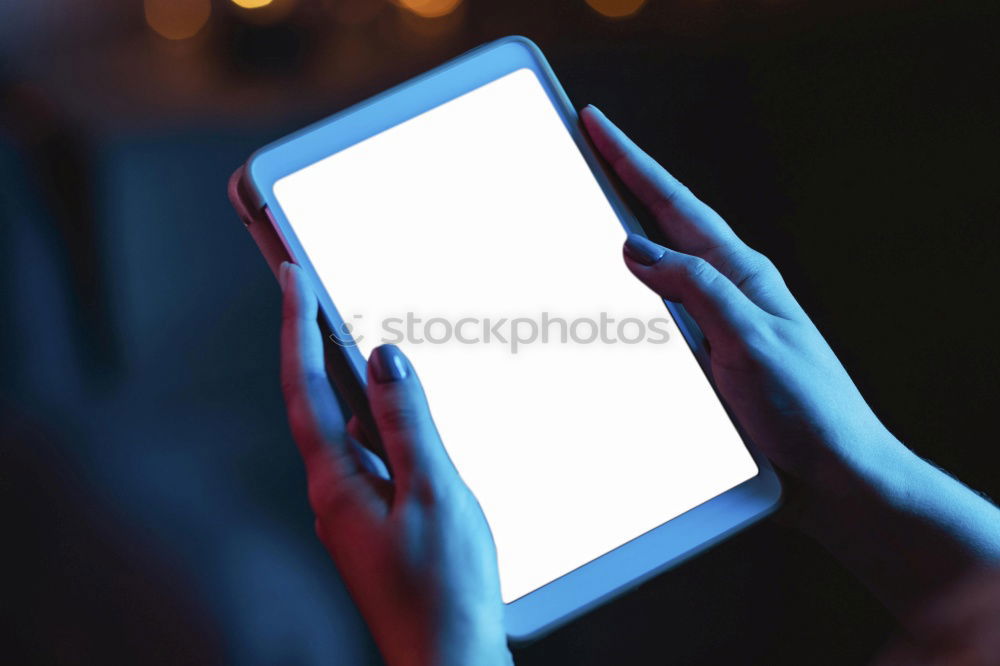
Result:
[
  {"x": 388, "y": 364},
  {"x": 283, "y": 274},
  {"x": 643, "y": 251},
  {"x": 594, "y": 111}
]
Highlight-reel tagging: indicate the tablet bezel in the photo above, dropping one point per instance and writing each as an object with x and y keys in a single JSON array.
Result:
[{"x": 635, "y": 561}]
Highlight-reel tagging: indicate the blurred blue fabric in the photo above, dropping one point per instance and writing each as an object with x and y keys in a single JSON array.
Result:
[{"x": 185, "y": 441}]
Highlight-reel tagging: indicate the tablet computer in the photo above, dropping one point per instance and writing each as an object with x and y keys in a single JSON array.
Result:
[{"x": 463, "y": 216}]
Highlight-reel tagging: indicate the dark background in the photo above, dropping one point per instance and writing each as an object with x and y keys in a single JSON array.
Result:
[{"x": 154, "y": 509}]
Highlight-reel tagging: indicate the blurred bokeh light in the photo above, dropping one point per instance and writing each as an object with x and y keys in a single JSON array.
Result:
[
  {"x": 616, "y": 8},
  {"x": 430, "y": 8},
  {"x": 263, "y": 12},
  {"x": 177, "y": 19}
]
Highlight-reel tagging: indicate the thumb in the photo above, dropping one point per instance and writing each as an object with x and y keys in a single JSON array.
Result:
[
  {"x": 420, "y": 465},
  {"x": 717, "y": 305}
]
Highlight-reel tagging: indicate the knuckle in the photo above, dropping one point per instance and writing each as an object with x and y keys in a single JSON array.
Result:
[
  {"x": 760, "y": 340},
  {"x": 671, "y": 190},
  {"x": 748, "y": 266},
  {"x": 700, "y": 272},
  {"x": 328, "y": 500},
  {"x": 679, "y": 191},
  {"x": 439, "y": 494},
  {"x": 428, "y": 492},
  {"x": 400, "y": 417},
  {"x": 758, "y": 264}
]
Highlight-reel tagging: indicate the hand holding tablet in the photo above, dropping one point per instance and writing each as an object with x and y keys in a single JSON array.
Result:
[
  {"x": 584, "y": 495},
  {"x": 415, "y": 552},
  {"x": 429, "y": 534},
  {"x": 468, "y": 200}
]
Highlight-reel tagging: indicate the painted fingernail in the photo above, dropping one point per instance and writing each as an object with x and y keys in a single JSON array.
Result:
[
  {"x": 643, "y": 251},
  {"x": 388, "y": 364},
  {"x": 283, "y": 274}
]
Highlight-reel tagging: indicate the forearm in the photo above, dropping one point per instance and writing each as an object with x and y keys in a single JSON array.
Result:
[{"x": 904, "y": 527}]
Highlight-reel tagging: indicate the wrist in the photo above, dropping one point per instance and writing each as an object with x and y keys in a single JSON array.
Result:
[
  {"x": 485, "y": 650},
  {"x": 849, "y": 481},
  {"x": 456, "y": 653},
  {"x": 905, "y": 527},
  {"x": 454, "y": 644},
  {"x": 476, "y": 638}
]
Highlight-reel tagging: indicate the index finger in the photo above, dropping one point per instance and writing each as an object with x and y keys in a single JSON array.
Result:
[
  {"x": 314, "y": 415},
  {"x": 688, "y": 223}
]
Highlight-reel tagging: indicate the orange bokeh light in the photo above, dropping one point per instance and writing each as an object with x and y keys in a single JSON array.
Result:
[
  {"x": 177, "y": 19},
  {"x": 430, "y": 8},
  {"x": 616, "y": 8},
  {"x": 252, "y": 4}
]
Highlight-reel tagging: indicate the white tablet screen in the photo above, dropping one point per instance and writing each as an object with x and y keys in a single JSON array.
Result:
[{"x": 459, "y": 233}]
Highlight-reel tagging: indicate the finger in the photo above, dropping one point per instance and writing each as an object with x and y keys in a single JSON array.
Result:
[
  {"x": 314, "y": 416},
  {"x": 690, "y": 225},
  {"x": 418, "y": 460},
  {"x": 722, "y": 311},
  {"x": 372, "y": 463}
]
